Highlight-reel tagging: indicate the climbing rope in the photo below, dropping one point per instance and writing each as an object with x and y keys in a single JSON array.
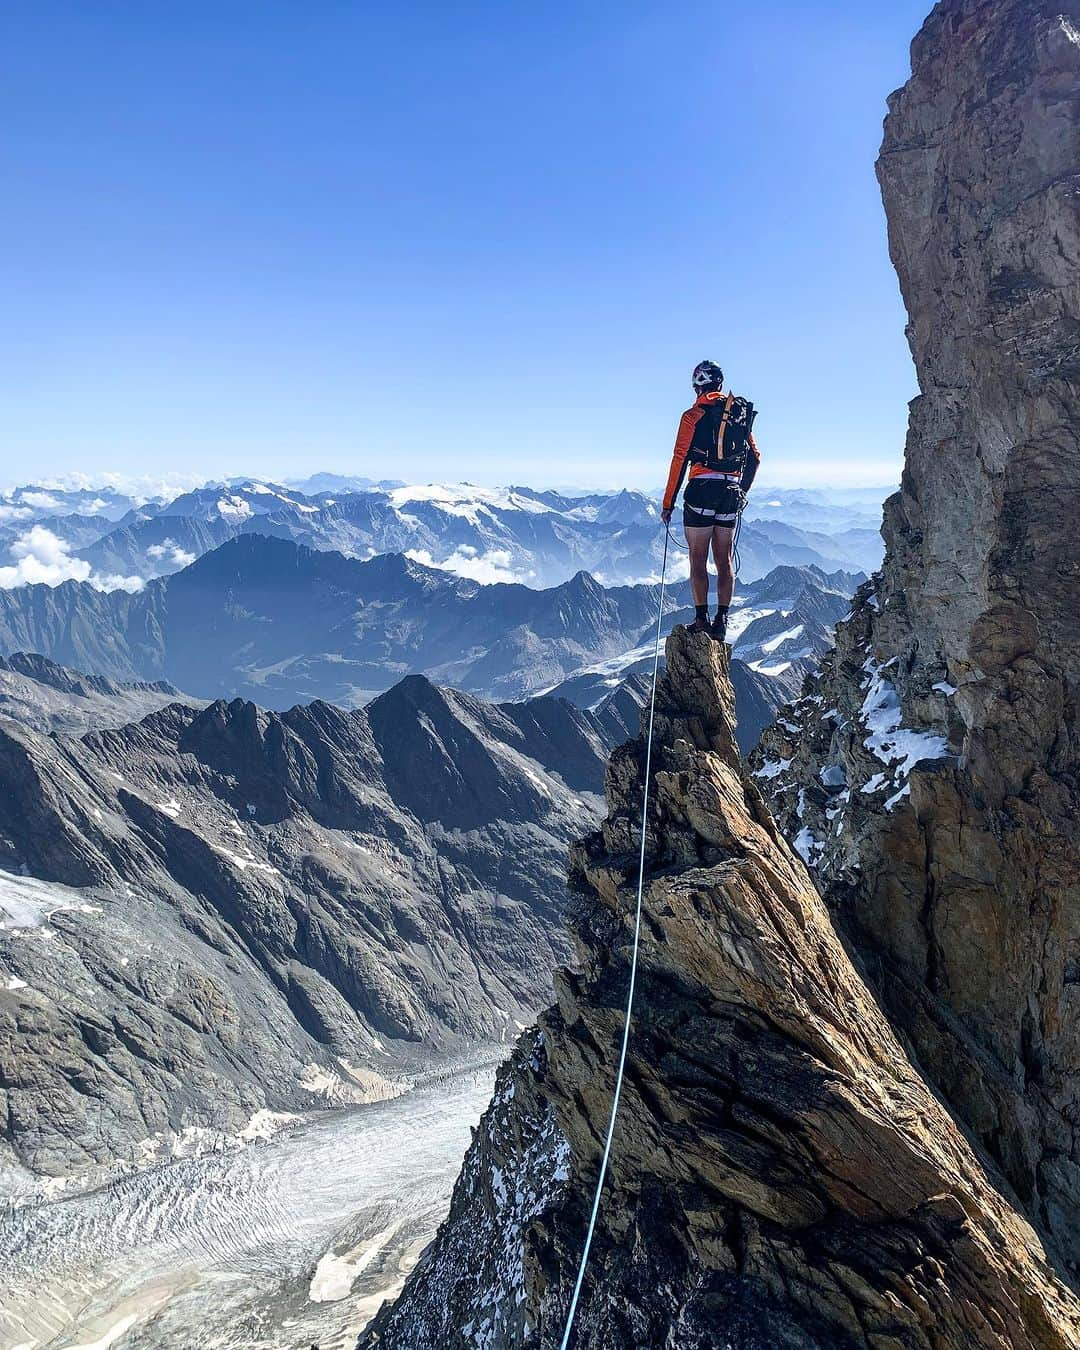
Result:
[
  {"x": 633, "y": 968},
  {"x": 620, "y": 1072}
]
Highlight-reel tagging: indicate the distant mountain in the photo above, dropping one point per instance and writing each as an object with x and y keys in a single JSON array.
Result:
[
  {"x": 820, "y": 510},
  {"x": 488, "y": 534},
  {"x": 220, "y": 911},
  {"x": 47, "y": 697},
  {"x": 266, "y": 618},
  {"x": 857, "y": 548},
  {"x": 780, "y": 627},
  {"x": 321, "y": 483}
]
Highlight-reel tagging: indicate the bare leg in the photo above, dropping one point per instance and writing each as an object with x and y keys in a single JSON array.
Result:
[
  {"x": 699, "y": 537},
  {"x": 722, "y": 536}
]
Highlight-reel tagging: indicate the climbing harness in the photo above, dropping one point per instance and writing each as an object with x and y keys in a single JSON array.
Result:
[
  {"x": 633, "y": 967},
  {"x": 736, "y": 560}
]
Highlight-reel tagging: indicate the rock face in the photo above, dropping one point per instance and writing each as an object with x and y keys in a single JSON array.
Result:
[
  {"x": 220, "y": 911},
  {"x": 930, "y": 773},
  {"x": 48, "y": 697},
  {"x": 782, "y": 1176}
]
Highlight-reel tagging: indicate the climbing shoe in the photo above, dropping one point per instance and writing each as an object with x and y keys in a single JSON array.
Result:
[
  {"x": 699, "y": 626},
  {"x": 718, "y": 628}
]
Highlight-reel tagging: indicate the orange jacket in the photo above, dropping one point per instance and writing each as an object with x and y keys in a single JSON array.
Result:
[{"x": 687, "y": 423}]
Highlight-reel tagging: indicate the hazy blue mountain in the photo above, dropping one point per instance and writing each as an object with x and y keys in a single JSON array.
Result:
[
  {"x": 274, "y": 620},
  {"x": 518, "y": 533}
]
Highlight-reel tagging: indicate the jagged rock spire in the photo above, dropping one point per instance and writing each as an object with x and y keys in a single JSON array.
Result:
[{"x": 781, "y": 1174}]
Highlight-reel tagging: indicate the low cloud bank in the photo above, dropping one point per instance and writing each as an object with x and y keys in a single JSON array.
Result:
[
  {"x": 495, "y": 565},
  {"x": 169, "y": 551},
  {"x": 42, "y": 558}
]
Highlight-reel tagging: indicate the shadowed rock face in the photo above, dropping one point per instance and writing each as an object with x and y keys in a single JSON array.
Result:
[
  {"x": 781, "y": 1175},
  {"x": 931, "y": 773}
]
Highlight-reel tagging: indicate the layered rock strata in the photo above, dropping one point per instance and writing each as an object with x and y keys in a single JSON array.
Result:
[
  {"x": 781, "y": 1176},
  {"x": 930, "y": 775}
]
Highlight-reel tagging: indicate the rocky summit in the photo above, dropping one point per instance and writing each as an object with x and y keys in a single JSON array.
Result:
[
  {"x": 929, "y": 775},
  {"x": 782, "y": 1175}
]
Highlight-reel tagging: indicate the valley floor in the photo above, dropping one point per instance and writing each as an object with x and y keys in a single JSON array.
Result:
[{"x": 291, "y": 1242}]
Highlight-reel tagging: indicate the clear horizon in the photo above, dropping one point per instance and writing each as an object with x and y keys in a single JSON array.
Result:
[{"x": 446, "y": 243}]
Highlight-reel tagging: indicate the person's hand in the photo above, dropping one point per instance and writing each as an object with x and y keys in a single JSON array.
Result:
[{"x": 666, "y": 515}]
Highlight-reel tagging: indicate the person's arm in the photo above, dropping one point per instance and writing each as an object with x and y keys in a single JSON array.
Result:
[
  {"x": 753, "y": 463},
  {"x": 687, "y": 423}
]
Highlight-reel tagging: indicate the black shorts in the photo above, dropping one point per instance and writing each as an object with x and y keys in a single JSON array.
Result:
[{"x": 711, "y": 501}]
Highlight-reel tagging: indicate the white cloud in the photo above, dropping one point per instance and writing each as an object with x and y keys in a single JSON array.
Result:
[
  {"x": 8, "y": 512},
  {"x": 148, "y": 489},
  {"x": 170, "y": 551},
  {"x": 42, "y": 558},
  {"x": 140, "y": 488},
  {"x": 41, "y": 501},
  {"x": 487, "y": 568},
  {"x": 113, "y": 582}
]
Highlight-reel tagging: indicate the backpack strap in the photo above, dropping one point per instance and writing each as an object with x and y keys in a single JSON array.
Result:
[{"x": 723, "y": 426}]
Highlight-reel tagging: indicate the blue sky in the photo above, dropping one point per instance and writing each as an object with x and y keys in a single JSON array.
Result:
[{"x": 445, "y": 241}]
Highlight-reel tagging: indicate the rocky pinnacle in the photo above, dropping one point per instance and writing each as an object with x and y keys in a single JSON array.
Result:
[{"x": 782, "y": 1175}]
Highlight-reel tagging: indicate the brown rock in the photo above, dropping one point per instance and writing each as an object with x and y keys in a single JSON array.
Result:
[
  {"x": 963, "y": 898},
  {"x": 782, "y": 1176}
]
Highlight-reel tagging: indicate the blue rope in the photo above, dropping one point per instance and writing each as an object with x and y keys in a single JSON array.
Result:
[{"x": 633, "y": 973}]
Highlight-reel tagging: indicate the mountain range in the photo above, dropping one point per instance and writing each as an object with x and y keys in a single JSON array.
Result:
[
  {"x": 849, "y": 1086},
  {"x": 277, "y": 622},
  {"x": 218, "y": 911},
  {"x": 486, "y": 534}
]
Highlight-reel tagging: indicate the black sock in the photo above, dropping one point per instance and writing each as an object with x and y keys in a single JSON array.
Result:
[
  {"x": 702, "y": 612},
  {"x": 721, "y": 615}
]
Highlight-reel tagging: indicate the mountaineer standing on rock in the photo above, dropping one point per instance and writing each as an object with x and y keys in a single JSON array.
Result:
[{"x": 716, "y": 439}]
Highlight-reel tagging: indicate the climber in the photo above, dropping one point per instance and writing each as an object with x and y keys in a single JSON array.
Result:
[{"x": 716, "y": 439}]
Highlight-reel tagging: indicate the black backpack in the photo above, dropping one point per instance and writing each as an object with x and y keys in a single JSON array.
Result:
[{"x": 721, "y": 439}]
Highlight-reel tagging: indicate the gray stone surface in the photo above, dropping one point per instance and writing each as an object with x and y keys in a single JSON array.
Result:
[
  {"x": 221, "y": 910},
  {"x": 48, "y": 697},
  {"x": 782, "y": 1176},
  {"x": 958, "y": 882}
]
